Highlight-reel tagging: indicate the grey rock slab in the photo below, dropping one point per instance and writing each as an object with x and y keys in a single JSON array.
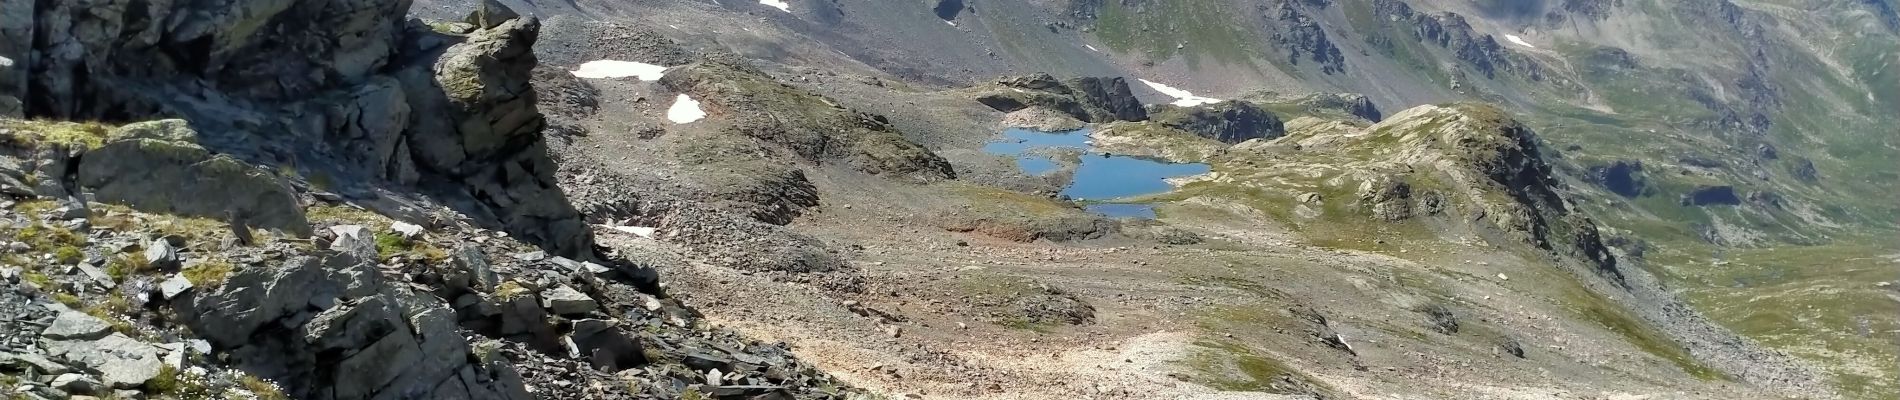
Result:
[
  {"x": 96, "y": 275},
  {"x": 564, "y": 300},
  {"x": 78, "y": 384},
  {"x": 531, "y": 256},
  {"x": 490, "y": 14},
  {"x": 33, "y": 361},
  {"x": 604, "y": 345},
  {"x": 174, "y": 354},
  {"x": 159, "y": 166},
  {"x": 565, "y": 262},
  {"x": 354, "y": 239},
  {"x": 160, "y": 254},
  {"x": 123, "y": 362},
  {"x": 375, "y": 367},
  {"x": 480, "y": 274},
  {"x": 173, "y": 287},
  {"x": 74, "y": 325},
  {"x": 251, "y": 298},
  {"x": 69, "y": 213}
]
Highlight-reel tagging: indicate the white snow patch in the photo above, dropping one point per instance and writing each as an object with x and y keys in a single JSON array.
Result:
[
  {"x": 6, "y": 62},
  {"x": 641, "y": 231},
  {"x": 606, "y": 69},
  {"x": 408, "y": 230},
  {"x": 952, "y": 23},
  {"x": 685, "y": 110},
  {"x": 1092, "y": 48},
  {"x": 1520, "y": 41},
  {"x": 782, "y": 6},
  {"x": 1181, "y": 97}
]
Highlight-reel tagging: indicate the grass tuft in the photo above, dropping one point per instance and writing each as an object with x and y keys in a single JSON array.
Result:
[
  {"x": 88, "y": 135},
  {"x": 262, "y": 389},
  {"x": 509, "y": 291},
  {"x": 68, "y": 255},
  {"x": 209, "y": 273},
  {"x": 126, "y": 265}
]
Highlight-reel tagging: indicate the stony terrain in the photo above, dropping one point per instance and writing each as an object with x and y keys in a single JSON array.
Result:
[
  {"x": 394, "y": 237},
  {"x": 363, "y": 199}
]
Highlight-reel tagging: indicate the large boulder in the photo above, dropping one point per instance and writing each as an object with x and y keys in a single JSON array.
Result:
[
  {"x": 123, "y": 362},
  {"x": 98, "y": 59},
  {"x": 158, "y": 167},
  {"x": 605, "y": 345},
  {"x": 327, "y": 328},
  {"x": 473, "y": 120},
  {"x": 1112, "y": 95},
  {"x": 1623, "y": 177},
  {"x": 75, "y": 325},
  {"x": 350, "y": 94}
]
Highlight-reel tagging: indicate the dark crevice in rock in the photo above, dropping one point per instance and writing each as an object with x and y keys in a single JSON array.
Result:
[
  {"x": 1623, "y": 177},
  {"x": 1722, "y": 195}
]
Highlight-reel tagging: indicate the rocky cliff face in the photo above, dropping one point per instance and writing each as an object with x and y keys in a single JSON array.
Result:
[
  {"x": 1301, "y": 36},
  {"x": 348, "y": 91},
  {"x": 275, "y": 216},
  {"x": 1089, "y": 99},
  {"x": 1228, "y": 122}
]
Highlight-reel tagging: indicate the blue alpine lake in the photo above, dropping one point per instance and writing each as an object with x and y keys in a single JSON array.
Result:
[{"x": 1101, "y": 177}]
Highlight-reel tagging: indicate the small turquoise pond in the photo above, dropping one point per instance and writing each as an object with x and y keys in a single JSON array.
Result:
[{"x": 1101, "y": 176}]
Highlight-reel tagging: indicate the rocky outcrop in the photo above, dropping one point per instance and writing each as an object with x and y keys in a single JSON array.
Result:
[
  {"x": 1090, "y": 99},
  {"x": 330, "y": 327},
  {"x": 1623, "y": 177},
  {"x": 1301, "y": 36},
  {"x": 1803, "y": 169},
  {"x": 753, "y": 106},
  {"x": 122, "y": 362},
  {"x": 1389, "y": 199},
  {"x": 1333, "y": 105},
  {"x": 1153, "y": 140},
  {"x": 158, "y": 166},
  {"x": 1592, "y": 9},
  {"x": 1228, "y": 122},
  {"x": 1028, "y": 303},
  {"x": 1451, "y": 32},
  {"x": 1497, "y": 174},
  {"x": 16, "y": 24},
  {"x": 1042, "y": 119},
  {"x": 346, "y": 91}
]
